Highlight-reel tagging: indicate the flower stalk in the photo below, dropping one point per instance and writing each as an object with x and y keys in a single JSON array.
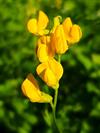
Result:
[
  {"x": 54, "y": 122},
  {"x": 54, "y": 105}
]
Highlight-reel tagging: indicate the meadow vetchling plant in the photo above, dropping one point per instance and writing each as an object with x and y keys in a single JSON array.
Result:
[{"x": 51, "y": 42}]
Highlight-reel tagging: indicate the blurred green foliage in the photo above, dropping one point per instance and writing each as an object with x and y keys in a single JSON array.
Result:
[{"x": 78, "y": 108}]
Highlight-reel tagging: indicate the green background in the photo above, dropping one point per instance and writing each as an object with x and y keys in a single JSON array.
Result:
[{"x": 78, "y": 108}]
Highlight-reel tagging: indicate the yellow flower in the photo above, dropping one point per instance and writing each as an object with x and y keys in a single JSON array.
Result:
[
  {"x": 31, "y": 90},
  {"x": 44, "y": 51},
  {"x": 58, "y": 40},
  {"x": 73, "y": 32},
  {"x": 37, "y": 26},
  {"x": 50, "y": 72}
]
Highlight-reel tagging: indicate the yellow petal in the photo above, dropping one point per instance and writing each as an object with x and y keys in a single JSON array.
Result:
[
  {"x": 46, "y": 74},
  {"x": 30, "y": 89},
  {"x": 75, "y": 34},
  {"x": 50, "y": 78},
  {"x": 51, "y": 53},
  {"x": 58, "y": 41},
  {"x": 31, "y": 78},
  {"x": 56, "y": 68},
  {"x": 49, "y": 49},
  {"x": 67, "y": 24},
  {"x": 42, "y": 21},
  {"x": 42, "y": 53},
  {"x": 32, "y": 26},
  {"x": 41, "y": 68}
]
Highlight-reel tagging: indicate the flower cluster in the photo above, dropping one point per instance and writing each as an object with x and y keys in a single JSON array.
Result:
[{"x": 55, "y": 41}]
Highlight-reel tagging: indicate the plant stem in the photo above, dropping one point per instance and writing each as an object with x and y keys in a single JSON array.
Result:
[
  {"x": 56, "y": 91},
  {"x": 55, "y": 100},
  {"x": 55, "y": 127},
  {"x": 53, "y": 105},
  {"x": 59, "y": 58}
]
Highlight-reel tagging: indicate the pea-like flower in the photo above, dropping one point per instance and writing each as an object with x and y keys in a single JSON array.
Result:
[
  {"x": 30, "y": 89},
  {"x": 38, "y": 26},
  {"x": 58, "y": 40},
  {"x": 73, "y": 32},
  {"x": 44, "y": 51},
  {"x": 50, "y": 72}
]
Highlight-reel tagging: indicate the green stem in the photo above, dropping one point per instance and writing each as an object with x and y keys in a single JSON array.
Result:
[
  {"x": 55, "y": 99},
  {"x": 55, "y": 127},
  {"x": 59, "y": 58},
  {"x": 53, "y": 105},
  {"x": 56, "y": 90}
]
